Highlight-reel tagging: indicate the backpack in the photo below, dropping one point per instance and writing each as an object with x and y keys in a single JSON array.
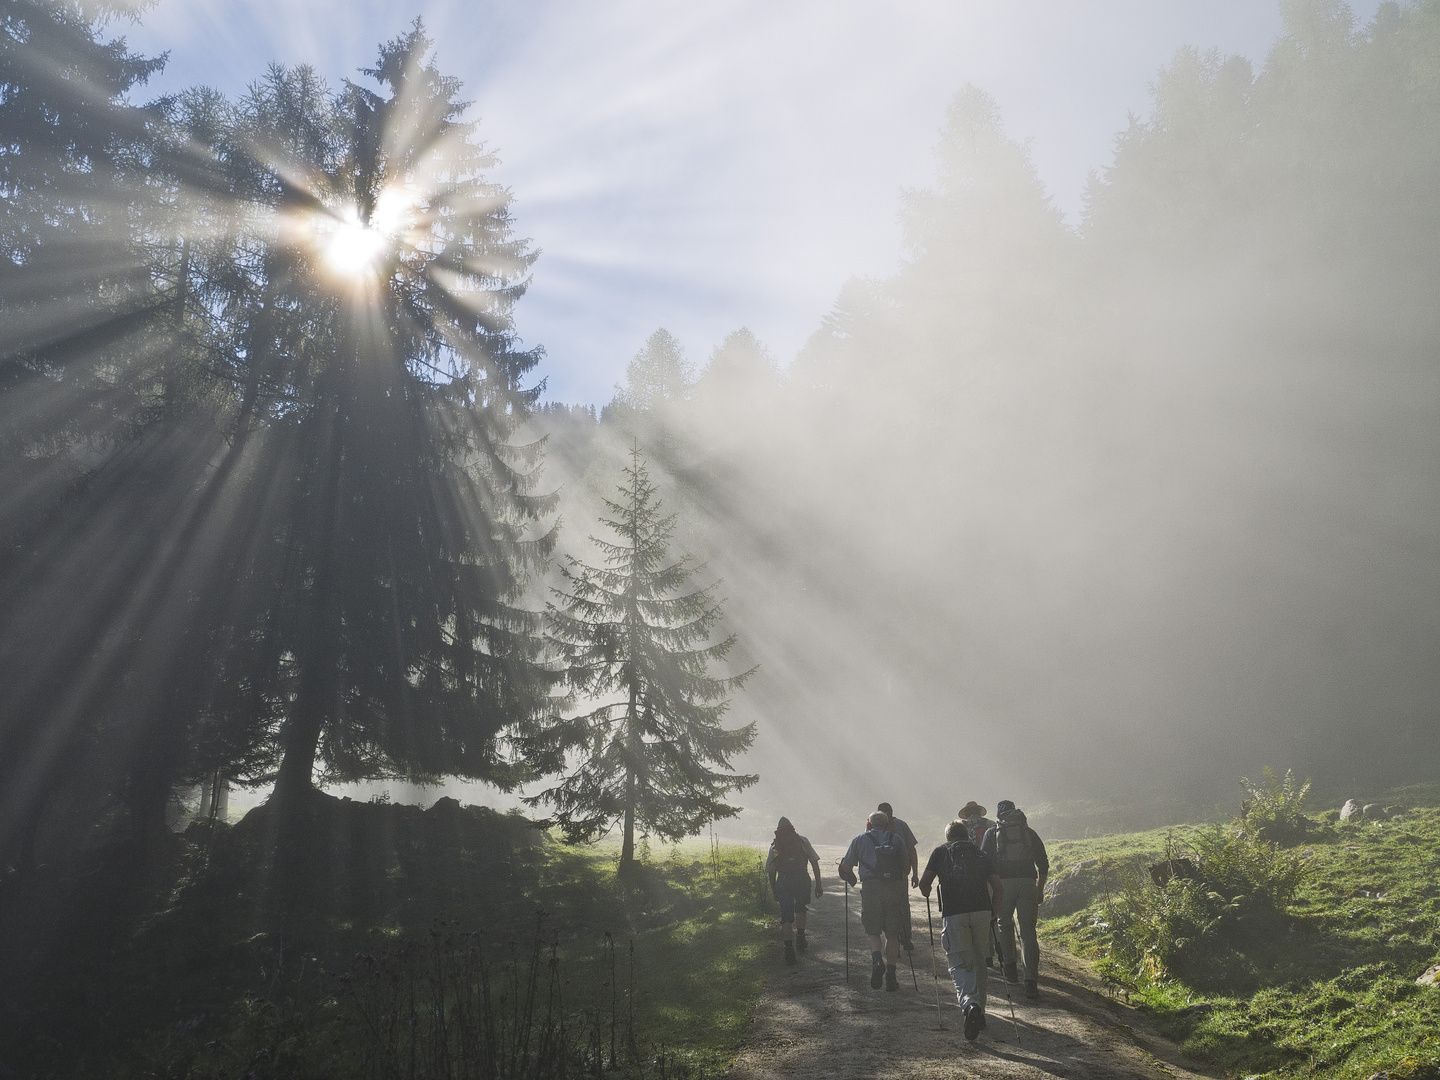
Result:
[
  {"x": 1012, "y": 839},
  {"x": 892, "y": 858},
  {"x": 959, "y": 868},
  {"x": 789, "y": 851}
]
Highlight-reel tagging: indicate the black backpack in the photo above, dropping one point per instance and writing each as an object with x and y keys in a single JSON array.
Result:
[
  {"x": 892, "y": 858},
  {"x": 790, "y": 850},
  {"x": 962, "y": 864}
]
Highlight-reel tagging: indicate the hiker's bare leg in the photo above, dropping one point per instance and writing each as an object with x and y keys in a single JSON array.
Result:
[
  {"x": 787, "y": 931},
  {"x": 800, "y": 920},
  {"x": 874, "y": 943},
  {"x": 892, "y": 948}
]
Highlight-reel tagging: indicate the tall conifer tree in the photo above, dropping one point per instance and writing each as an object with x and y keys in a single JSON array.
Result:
[{"x": 652, "y": 751}]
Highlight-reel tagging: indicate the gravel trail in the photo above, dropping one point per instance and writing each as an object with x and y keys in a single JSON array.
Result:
[{"x": 811, "y": 1024}]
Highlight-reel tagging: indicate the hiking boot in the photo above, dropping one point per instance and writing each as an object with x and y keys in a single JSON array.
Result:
[
  {"x": 1032, "y": 989},
  {"x": 877, "y": 974},
  {"x": 790, "y": 954},
  {"x": 973, "y": 1019},
  {"x": 1012, "y": 973},
  {"x": 800, "y": 943},
  {"x": 891, "y": 982}
]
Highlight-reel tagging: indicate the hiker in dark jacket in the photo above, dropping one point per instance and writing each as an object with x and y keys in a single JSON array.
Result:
[
  {"x": 788, "y": 868},
  {"x": 971, "y": 894},
  {"x": 1023, "y": 867},
  {"x": 973, "y": 815},
  {"x": 883, "y": 861}
]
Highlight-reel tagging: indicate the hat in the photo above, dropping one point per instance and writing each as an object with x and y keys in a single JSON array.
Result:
[
  {"x": 1004, "y": 806},
  {"x": 785, "y": 824},
  {"x": 972, "y": 809}
]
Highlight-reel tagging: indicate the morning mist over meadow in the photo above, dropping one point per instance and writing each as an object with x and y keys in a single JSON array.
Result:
[{"x": 467, "y": 471}]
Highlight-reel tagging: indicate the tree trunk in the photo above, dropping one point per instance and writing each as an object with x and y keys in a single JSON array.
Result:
[
  {"x": 627, "y": 848},
  {"x": 317, "y": 651},
  {"x": 627, "y": 845}
]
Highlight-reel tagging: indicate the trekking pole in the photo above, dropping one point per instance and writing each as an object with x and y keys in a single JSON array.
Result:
[
  {"x": 934, "y": 969},
  {"x": 1000, "y": 956},
  {"x": 847, "y": 931},
  {"x": 910, "y": 952}
]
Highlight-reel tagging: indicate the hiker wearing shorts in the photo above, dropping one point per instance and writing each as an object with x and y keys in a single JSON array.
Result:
[
  {"x": 1023, "y": 866},
  {"x": 971, "y": 895},
  {"x": 788, "y": 868},
  {"x": 883, "y": 861},
  {"x": 899, "y": 828},
  {"x": 903, "y": 830}
]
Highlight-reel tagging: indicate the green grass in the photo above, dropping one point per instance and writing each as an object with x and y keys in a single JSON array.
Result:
[
  {"x": 1331, "y": 991},
  {"x": 193, "y": 970}
]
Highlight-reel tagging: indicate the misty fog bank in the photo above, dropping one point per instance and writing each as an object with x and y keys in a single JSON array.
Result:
[{"x": 1112, "y": 514}]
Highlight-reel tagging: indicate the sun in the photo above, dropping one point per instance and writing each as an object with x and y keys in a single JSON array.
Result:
[{"x": 353, "y": 247}]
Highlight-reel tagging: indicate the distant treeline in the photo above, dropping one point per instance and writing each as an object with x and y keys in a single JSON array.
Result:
[
  {"x": 1121, "y": 505},
  {"x": 1111, "y": 509}
]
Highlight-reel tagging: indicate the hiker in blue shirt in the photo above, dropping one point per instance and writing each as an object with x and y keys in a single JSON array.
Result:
[
  {"x": 971, "y": 894},
  {"x": 1023, "y": 865},
  {"x": 883, "y": 859},
  {"x": 903, "y": 830}
]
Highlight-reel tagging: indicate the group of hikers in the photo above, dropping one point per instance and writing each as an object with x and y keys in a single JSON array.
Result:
[{"x": 991, "y": 881}]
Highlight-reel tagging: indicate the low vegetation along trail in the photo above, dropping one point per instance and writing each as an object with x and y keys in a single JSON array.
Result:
[{"x": 811, "y": 1024}]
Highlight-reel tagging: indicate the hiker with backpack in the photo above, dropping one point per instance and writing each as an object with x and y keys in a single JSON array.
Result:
[
  {"x": 971, "y": 895},
  {"x": 1023, "y": 866},
  {"x": 788, "y": 867},
  {"x": 899, "y": 828},
  {"x": 883, "y": 860},
  {"x": 973, "y": 815}
]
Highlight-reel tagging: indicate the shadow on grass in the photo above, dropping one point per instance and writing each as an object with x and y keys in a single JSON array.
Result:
[{"x": 215, "y": 956}]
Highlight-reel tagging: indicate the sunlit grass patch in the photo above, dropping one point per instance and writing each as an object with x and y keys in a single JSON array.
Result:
[{"x": 1336, "y": 994}]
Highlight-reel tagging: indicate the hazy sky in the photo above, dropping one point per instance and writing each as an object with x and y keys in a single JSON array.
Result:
[{"x": 707, "y": 165}]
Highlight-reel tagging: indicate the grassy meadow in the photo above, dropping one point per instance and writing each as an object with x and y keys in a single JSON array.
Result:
[{"x": 1303, "y": 962}]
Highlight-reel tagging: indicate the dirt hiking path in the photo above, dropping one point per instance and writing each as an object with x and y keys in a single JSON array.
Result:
[{"x": 810, "y": 1024}]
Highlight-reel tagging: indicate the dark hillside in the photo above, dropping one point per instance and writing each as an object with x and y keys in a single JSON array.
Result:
[{"x": 197, "y": 969}]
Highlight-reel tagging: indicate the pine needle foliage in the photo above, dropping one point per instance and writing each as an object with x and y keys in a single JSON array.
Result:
[{"x": 652, "y": 752}]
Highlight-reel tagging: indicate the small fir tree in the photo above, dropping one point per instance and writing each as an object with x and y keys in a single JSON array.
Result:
[{"x": 652, "y": 751}]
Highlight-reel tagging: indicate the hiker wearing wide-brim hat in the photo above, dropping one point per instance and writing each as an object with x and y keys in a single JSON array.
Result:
[
  {"x": 1020, "y": 857},
  {"x": 973, "y": 815},
  {"x": 788, "y": 867}
]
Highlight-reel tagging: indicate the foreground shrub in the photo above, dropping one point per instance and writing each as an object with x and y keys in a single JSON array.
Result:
[
  {"x": 1273, "y": 811},
  {"x": 1219, "y": 890}
]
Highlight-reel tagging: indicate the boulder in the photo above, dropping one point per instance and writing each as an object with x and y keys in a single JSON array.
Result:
[
  {"x": 1073, "y": 889},
  {"x": 1351, "y": 811},
  {"x": 1374, "y": 811},
  {"x": 1431, "y": 977}
]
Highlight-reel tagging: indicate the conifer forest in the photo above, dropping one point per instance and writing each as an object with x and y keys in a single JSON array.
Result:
[{"x": 368, "y": 707}]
